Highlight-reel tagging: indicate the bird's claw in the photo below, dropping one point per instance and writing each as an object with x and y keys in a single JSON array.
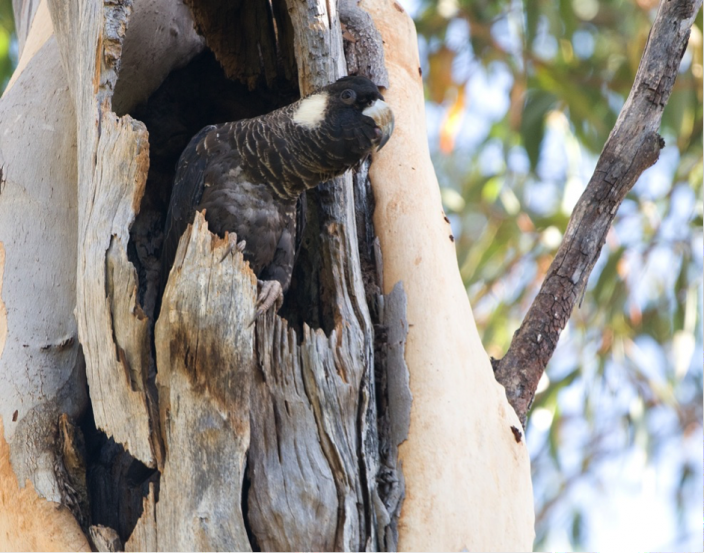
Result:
[
  {"x": 233, "y": 245},
  {"x": 270, "y": 293}
]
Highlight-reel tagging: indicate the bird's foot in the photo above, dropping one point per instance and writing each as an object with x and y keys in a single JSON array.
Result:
[
  {"x": 233, "y": 245},
  {"x": 270, "y": 293}
]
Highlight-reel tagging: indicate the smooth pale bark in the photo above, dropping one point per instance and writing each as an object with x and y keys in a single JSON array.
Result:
[
  {"x": 467, "y": 478},
  {"x": 41, "y": 30},
  {"x": 41, "y": 369},
  {"x": 24, "y": 12}
]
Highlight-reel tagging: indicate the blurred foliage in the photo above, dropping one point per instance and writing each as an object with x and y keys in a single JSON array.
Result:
[
  {"x": 521, "y": 97},
  {"x": 8, "y": 43}
]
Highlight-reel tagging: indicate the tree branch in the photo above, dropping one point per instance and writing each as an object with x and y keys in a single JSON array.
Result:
[{"x": 631, "y": 148}]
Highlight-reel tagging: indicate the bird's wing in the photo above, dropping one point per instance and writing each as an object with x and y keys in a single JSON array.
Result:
[
  {"x": 281, "y": 266},
  {"x": 185, "y": 196},
  {"x": 301, "y": 220}
]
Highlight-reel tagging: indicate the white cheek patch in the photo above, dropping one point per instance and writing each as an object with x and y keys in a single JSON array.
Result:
[
  {"x": 311, "y": 111},
  {"x": 378, "y": 111}
]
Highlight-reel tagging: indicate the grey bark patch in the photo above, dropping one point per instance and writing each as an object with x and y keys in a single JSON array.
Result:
[
  {"x": 292, "y": 500},
  {"x": 34, "y": 449},
  {"x": 159, "y": 39},
  {"x": 364, "y": 48},
  {"x": 398, "y": 377}
]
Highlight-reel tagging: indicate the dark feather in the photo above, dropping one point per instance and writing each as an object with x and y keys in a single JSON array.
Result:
[
  {"x": 186, "y": 194},
  {"x": 248, "y": 174}
]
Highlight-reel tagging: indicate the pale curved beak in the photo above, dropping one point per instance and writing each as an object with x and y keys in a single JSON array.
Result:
[{"x": 384, "y": 119}]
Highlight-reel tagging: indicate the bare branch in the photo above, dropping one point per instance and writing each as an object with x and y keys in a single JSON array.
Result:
[{"x": 631, "y": 148}]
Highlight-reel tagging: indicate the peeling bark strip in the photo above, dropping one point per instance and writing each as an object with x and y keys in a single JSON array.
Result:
[{"x": 632, "y": 147}]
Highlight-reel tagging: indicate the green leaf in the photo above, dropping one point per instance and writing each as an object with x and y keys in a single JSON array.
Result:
[{"x": 538, "y": 104}]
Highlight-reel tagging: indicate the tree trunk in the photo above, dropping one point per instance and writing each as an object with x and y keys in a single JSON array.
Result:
[{"x": 361, "y": 417}]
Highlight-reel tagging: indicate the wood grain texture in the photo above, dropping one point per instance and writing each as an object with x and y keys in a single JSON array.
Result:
[
  {"x": 337, "y": 414},
  {"x": 205, "y": 354},
  {"x": 113, "y": 329},
  {"x": 108, "y": 198},
  {"x": 205, "y": 343},
  {"x": 391, "y": 404},
  {"x": 364, "y": 50},
  {"x": 292, "y": 501},
  {"x": 249, "y": 55},
  {"x": 631, "y": 148}
]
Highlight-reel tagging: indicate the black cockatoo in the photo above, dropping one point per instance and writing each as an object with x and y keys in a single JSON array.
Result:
[{"x": 248, "y": 174}]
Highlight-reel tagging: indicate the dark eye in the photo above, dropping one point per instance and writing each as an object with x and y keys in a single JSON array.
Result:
[{"x": 348, "y": 96}]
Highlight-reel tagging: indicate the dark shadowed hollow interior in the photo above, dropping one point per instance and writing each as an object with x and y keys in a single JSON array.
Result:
[{"x": 191, "y": 97}]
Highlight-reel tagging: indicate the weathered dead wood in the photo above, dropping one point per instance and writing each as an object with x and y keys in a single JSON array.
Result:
[
  {"x": 292, "y": 501},
  {"x": 205, "y": 354},
  {"x": 363, "y": 46},
  {"x": 70, "y": 470},
  {"x": 129, "y": 323},
  {"x": 117, "y": 375},
  {"x": 336, "y": 370},
  {"x": 105, "y": 538},
  {"x": 317, "y": 41},
  {"x": 206, "y": 388},
  {"x": 631, "y": 148},
  {"x": 108, "y": 198},
  {"x": 249, "y": 54},
  {"x": 344, "y": 358},
  {"x": 393, "y": 396}
]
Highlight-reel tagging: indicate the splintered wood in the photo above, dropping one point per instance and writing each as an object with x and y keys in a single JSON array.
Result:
[{"x": 205, "y": 354}]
